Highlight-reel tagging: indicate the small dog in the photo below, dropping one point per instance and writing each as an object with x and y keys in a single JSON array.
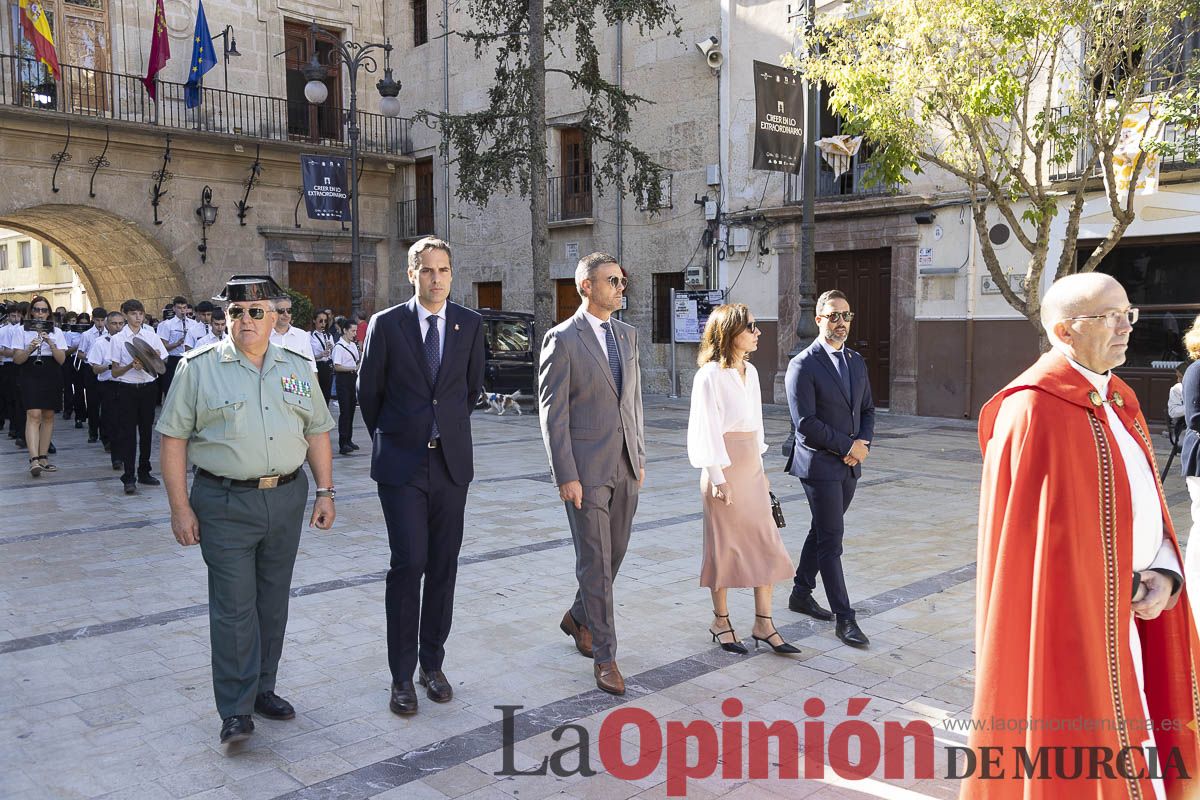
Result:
[{"x": 500, "y": 403}]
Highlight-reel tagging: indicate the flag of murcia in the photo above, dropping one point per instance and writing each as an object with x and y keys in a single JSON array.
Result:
[{"x": 37, "y": 30}]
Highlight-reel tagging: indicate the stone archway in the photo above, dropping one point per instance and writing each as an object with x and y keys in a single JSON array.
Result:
[{"x": 114, "y": 259}]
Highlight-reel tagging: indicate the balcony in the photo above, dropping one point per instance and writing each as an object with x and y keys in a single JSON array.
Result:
[
  {"x": 111, "y": 96},
  {"x": 849, "y": 186},
  {"x": 569, "y": 197},
  {"x": 1074, "y": 166},
  {"x": 416, "y": 217}
]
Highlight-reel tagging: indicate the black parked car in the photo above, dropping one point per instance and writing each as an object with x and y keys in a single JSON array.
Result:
[{"x": 508, "y": 341}]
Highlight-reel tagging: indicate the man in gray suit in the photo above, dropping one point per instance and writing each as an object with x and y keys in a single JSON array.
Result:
[{"x": 590, "y": 394}]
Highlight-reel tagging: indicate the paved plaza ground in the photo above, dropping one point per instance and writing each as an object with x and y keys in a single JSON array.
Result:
[{"x": 104, "y": 653}]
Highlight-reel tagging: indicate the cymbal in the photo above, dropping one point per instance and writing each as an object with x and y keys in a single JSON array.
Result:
[{"x": 145, "y": 353}]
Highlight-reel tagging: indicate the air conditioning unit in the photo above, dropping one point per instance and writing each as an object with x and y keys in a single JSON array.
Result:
[{"x": 693, "y": 276}]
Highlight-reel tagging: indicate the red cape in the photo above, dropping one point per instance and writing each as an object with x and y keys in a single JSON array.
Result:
[{"x": 1054, "y": 593}]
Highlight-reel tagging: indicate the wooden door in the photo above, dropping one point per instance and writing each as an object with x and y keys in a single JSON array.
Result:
[
  {"x": 489, "y": 295},
  {"x": 566, "y": 299},
  {"x": 424, "y": 178},
  {"x": 305, "y": 120},
  {"x": 865, "y": 276},
  {"x": 326, "y": 284}
]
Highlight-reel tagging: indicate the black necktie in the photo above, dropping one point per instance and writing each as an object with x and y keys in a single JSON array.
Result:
[{"x": 434, "y": 359}]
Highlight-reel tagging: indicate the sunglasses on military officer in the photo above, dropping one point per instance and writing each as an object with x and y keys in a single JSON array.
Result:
[{"x": 256, "y": 312}]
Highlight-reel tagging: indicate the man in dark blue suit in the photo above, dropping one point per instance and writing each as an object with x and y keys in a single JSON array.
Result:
[
  {"x": 833, "y": 419},
  {"x": 421, "y": 373}
]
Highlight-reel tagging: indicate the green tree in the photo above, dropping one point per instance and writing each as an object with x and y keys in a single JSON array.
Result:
[
  {"x": 1003, "y": 93},
  {"x": 502, "y": 148},
  {"x": 302, "y": 309}
]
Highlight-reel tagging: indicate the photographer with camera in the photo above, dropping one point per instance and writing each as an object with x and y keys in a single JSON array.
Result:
[{"x": 39, "y": 353}]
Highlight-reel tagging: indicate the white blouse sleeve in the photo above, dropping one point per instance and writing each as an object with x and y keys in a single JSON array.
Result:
[
  {"x": 706, "y": 430},
  {"x": 754, "y": 400}
]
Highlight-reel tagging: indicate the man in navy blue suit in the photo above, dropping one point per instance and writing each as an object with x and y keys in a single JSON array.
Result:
[
  {"x": 833, "y": 419},
  {"x": 421, "y": 373}
]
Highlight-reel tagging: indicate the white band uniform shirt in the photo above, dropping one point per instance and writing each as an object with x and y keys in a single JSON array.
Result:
[
  {"x": 321, "y": 341},
  {"x": 98, "y": 355},
  {"x": 174, "y": 328},
  {"x": 21, "y": 339},
  {"x": 120, "y": 356},
  {"x": 423, "y": 316},
  {"x": 197, "y": 331},
  {"x": 296, "y": 340},
  {"x": 6, "y": 340},
  {"x": 208, "y": 338},
  {"x": 86, "y": 340},
  {"x": 347, "y": 355}
]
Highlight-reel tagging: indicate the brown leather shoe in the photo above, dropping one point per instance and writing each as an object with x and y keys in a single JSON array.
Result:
[
  {"x": 608, "y": 678},
  {"x": 580, "y": 633}
]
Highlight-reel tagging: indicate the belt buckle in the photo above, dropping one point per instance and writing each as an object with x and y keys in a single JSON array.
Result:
[
  {"x": 432, "y": 444},
  {"x": 268, "y": 482}
]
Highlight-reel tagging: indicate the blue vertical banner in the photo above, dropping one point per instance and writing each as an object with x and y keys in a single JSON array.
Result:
[{"x": 204, "y": 58}]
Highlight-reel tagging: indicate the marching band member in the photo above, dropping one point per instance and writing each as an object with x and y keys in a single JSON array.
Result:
[
  {"x": 136, "y": 397},
  {"x": 346, "y": 358},
  {"x": 39, "y": 356},
  {"x": 100, "y": 360}
]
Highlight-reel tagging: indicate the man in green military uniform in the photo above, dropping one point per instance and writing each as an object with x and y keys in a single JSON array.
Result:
[{"x": 247, "y": 414}]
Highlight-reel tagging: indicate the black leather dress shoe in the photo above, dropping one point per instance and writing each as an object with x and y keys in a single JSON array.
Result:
[
  {"x": 805, "y": 604},
  {"x": 236, "y": 729},
  {"x": 130, "y": 488},
  {"x": 78, "y": 424},
  {"x": 272, "y": 706},
  {"x": 436, "y": 685},
  {"x": 848, "y": 631},
  {"x": 345, "y": 450},
  {"x": 148, "y": 479},
  {"x": 404, "y": 698},
  {"x": 93, "y": 439}
]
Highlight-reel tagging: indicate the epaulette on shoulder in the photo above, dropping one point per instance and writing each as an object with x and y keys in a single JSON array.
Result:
[{"x": 195, "y": 351}]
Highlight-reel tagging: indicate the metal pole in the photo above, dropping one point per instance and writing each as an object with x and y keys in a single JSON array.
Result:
[
  {"x": 806, "y": 325},
  {"x": 674, "y": 373},
  {"x": 446, "y": 110},
  {"x": 355, "y": 254}
]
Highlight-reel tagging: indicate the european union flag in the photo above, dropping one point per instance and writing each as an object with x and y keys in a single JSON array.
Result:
[{"x": 204, "y": 58}]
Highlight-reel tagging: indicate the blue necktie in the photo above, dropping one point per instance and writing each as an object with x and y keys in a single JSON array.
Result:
[
  {"x": 434, "y": 359},
  {"x": 844, "y": 371},
  {"x": 614, "y": 358}
]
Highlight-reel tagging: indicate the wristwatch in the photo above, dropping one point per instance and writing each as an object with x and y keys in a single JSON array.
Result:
[{"x": 330, "y": 493}]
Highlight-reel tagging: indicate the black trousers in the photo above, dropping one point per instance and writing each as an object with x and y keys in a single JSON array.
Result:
[
  {"x": 425, "y": 529},
  {"x": 165, "y": 380},
  {"x": 78, "y": 377},
  {"x": 15, "y": 408},
  {"x": 8, "y": 380},
  {"x": 347, "y": 395},
  {"x": 91, "y": 391},
  {"x": 68, "y": 389},
  {"x": 134, "y": 411},
  {"x": 828, "y": 501},
  {"x": 325, "y": 379},
  {"x": 106, "y": 391}
]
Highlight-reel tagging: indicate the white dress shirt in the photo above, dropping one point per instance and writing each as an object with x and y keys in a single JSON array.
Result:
[
  {"x": 20, "y": 339},
  {"x": 197, "y": 330},
  {"x": 722, "y": 403},
  {"x": 297, "y": 341},
  {"x": 321, "y": 341},
  {"x": 839, "y": 362},
  {"x": 208, "y": 338},
  {"x": 347, "y": 355},
  {"x": 119, "y": 354},
  {"x": 6, "y": 333},
  {"x": 424, "y": 314},
  {"x": 89, "y": 338},
  {"x": 601, "y": 334},
  {"x": 175, "y": 328},
  {"x": 98, "y": 355}
]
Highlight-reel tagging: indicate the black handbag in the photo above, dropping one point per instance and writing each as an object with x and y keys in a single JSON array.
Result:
[{"x": 777, "y": 511}]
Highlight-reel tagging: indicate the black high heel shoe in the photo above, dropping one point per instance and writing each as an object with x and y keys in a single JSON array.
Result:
[
  {"x": 729, "y": 647},
  {"x": 778, "y": 648}
]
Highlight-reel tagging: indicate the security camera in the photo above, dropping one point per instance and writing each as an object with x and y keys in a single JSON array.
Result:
[{"x": 712, "y": 54}]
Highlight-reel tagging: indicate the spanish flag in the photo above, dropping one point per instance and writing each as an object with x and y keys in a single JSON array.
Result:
[{"x": 37, "y": 31}]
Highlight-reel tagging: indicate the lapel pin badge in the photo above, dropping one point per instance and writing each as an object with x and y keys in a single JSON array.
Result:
[{"x": 456, "y": 326}]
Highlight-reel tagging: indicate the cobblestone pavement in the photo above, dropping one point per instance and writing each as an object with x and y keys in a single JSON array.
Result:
[{"x": 104, "y": 656}]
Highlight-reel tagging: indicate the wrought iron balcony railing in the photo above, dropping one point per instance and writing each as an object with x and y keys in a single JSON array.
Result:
[
  {"x": 416, "y": 217},
  {"x": 848, "y": 185},
  {"x": 1073, "y": 165},
  {"x": 96, "y": 94},
  {"x": 570, "y": 197}
]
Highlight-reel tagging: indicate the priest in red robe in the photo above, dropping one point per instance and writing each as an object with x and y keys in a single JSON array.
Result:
[{"x": 1086, "y": 654}]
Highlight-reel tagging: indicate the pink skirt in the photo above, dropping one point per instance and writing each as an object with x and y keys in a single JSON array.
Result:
[{"x": 742, "y": 546}]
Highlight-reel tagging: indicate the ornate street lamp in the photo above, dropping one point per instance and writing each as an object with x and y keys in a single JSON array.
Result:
[
  {"x": 207, "y": 213},
  {"x": 353, "y": 56}
]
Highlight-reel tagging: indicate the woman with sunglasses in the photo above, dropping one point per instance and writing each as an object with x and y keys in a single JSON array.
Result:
[
  {"x": 39, "y": 357},
  {"x": 322, "y": 348},
  {"x": 346, "y": 357},
  {"x": 742, "y": 546}
]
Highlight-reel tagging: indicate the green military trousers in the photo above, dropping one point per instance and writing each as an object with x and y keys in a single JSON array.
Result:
[{"x": 249, "y": 539}]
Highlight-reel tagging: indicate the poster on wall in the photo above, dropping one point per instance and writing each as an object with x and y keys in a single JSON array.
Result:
[
  {"x": 778, "y": 118},
  {"x": 692, "y": 310},
  {"x": 326, "y": 193}
]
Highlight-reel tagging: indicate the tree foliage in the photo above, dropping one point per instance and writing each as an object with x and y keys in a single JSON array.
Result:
[
  {"x": 1004, "y": 94},
  {"x": 502, "y": 148}
]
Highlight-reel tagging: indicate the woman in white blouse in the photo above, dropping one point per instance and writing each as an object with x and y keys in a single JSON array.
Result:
[
  {"x": 39, "y": 358},
  {"x": 742, "y": 546},
  {"x": 346, "y": 357}
]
